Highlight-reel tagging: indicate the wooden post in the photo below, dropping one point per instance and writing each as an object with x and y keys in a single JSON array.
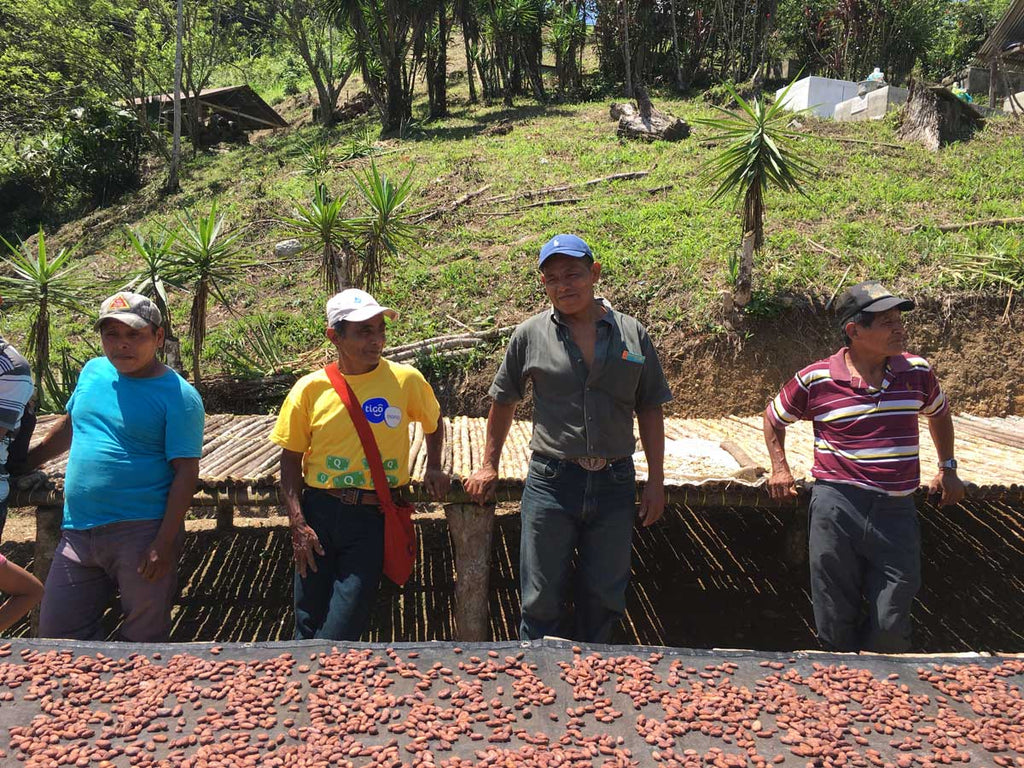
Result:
[
  {"x": 48, "y": 520},
  {"x": 225, "y": 514},
  {"x": 472, "y": 530},
  {"x": 993, "y": 71}
]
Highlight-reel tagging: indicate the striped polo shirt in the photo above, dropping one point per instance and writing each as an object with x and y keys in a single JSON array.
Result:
[{"x": 863, "y": 435}]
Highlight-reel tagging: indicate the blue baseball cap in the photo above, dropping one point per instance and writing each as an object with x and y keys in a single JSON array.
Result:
[{"x": 567, "y": 245}]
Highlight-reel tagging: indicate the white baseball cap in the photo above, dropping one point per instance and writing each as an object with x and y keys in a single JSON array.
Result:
[{"x": 355, "y": 306}]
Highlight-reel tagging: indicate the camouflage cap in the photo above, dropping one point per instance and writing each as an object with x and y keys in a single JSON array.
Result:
[
  {"x": 132, "y": 309},
  {"x": 869, "y": 296}
]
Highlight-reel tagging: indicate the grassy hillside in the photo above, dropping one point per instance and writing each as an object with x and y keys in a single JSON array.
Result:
[{"x": 663, "y": 246}]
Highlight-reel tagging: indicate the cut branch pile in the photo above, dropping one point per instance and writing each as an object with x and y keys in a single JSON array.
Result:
[
  {"x": 960, "y": 226},
  {"x": 454, "y": 205},
  {"x": 452, "y": 342},
  {"x": 544, "y": 196}
]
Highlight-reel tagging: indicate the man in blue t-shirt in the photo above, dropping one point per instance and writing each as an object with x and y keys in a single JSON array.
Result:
[{"x": 135, "y": 429}]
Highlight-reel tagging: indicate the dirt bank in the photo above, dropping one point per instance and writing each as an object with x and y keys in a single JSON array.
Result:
[{"x": 974, "y": 344}]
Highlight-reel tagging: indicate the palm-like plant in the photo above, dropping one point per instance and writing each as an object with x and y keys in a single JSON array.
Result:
[
  {"x": 207, "y": 259},
  {"x": 157, "y": 259},
  {"x": 755, "y": 157},
  {"x": 389, "y": 229},
  {"x": 320, "y": 225},
  {"x": 35, "y": 279},
  {"x": 153, "y": 279}
]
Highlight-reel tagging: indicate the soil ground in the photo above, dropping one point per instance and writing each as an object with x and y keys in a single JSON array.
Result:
[{"x": 975, "y": 346}]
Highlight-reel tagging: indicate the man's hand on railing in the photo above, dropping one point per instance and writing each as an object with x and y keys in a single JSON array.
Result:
[{"x": 481, "y": 484}]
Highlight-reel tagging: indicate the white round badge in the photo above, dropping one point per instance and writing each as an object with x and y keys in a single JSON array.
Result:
[{"x": 393, "y": 416}]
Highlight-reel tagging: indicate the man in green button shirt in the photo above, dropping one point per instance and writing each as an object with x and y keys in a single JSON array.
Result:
[{"x": 592, "y": 368}]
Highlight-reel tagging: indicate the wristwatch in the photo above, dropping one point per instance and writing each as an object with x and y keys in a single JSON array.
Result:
[{"x": 948, "y": 464}]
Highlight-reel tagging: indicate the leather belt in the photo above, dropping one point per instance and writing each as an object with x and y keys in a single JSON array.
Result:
[
  {"x": 357, "y": 496},
  {"x": 589, "y": 463}
]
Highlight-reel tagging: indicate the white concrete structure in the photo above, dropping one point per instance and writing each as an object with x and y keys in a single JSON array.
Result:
[
  {"x": 871, "y": 106},
  {"x": 1019, "y": 99},
  {"x": 821, "y": 94}
]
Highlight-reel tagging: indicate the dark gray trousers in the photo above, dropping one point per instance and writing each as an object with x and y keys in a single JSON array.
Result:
[{"x": 865, "y": 557}]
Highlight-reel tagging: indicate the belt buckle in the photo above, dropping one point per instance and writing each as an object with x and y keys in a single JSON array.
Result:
[
  {"x": 592, "y": 463},
  {"x": 349, "y": 496}
]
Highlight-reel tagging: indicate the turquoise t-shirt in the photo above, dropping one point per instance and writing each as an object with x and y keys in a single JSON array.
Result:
[{"x": 125, "y": 433}]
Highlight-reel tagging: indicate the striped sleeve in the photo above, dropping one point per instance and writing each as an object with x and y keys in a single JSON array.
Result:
[
  {"x": 936, "y": 403},
  {"x": 16, "y": 388},
  {"x": 789, "y": 406}
]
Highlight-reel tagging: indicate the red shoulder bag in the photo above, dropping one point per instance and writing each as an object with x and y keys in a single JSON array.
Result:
[{"x": 399, "y": 533}]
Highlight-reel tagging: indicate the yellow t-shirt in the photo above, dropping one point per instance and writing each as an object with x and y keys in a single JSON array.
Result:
[{"x": 313, "y": 422}]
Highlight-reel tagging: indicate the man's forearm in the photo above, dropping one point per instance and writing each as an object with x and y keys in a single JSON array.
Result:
[
  {"x": 435, "y": 445},
  {"x": 499, "y": 422},
  {"x": 775, "y": 440},
  {"x": 291, "y": 486},
  {"x": 941, "y": 429},
  {"x": 179, "y": 498},
  {"x": 651, "y": 423}
]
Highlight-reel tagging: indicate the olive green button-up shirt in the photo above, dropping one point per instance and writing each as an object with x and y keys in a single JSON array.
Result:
[{"x": 579, "y": 412}]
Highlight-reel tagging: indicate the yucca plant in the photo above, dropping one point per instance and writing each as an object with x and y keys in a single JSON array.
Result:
[
  {"x": 256, "y": 353},
  {"x": 60, "y": 380},
  {"x": 153, "y": 279},
  {"x": 316, "y": 157},
  {"x": 321, "y": 226},
  {"x": 36, "y": 280},
  {"x": 755, "y": 158},
  {"x": 359, "y": 146},
  {"x": 206, "y": 259},
  {"x": 389, "y": 229}
]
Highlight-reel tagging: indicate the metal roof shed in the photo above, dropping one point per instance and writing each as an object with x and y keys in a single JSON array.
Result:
[
  {"x": 236, "y": 102},
  {"x": 1004, "y": 47}
]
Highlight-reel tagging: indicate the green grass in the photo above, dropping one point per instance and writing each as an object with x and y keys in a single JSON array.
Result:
[{"x": 664, "y": 254}]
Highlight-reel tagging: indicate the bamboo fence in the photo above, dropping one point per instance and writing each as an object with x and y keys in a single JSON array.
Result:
[{"x": 240, "y": 465}]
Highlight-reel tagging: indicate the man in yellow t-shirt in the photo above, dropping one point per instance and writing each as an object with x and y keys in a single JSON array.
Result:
[{"x": 335, "y": 518}]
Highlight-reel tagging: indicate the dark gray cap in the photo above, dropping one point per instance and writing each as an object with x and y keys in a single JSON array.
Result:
[{"x": 869, "y": 296}]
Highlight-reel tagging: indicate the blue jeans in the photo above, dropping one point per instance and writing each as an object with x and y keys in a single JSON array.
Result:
[
  {"x": 336, "y": 601},
  {"x": 566, "y": 509},
  {"x": 865, "y": 549}
]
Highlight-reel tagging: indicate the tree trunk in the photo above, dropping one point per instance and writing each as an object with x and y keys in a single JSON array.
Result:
[
  {"x": 197, "y": 320},
  {"x": 439, "y": 105},
  {"x": 675, "y": 46},
  {"x": 753, "y": 214},
  {"x": 396, "y": 108},
  {"x": 506, "y": 76},
  {"x": 173, "y": 168},
  {"x": 743, "y": 289},
  {"x": 172, "y": 347},
  {"x": 626, "y": 55},
  {"x": 469, "y": 58},
  {"x": 41, "y": 339}
]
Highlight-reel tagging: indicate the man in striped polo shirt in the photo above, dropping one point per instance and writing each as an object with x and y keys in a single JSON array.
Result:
[{"x": 864, "y": 538}]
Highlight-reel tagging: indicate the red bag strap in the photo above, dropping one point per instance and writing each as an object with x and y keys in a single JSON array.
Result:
[{"x": 355, "y": 411}]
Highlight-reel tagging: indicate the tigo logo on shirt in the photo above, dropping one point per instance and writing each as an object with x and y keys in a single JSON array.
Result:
[{"x": 378, "y": 409}]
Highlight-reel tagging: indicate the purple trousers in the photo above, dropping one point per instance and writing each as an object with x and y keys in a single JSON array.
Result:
[{"x": 90, "y": 566}]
